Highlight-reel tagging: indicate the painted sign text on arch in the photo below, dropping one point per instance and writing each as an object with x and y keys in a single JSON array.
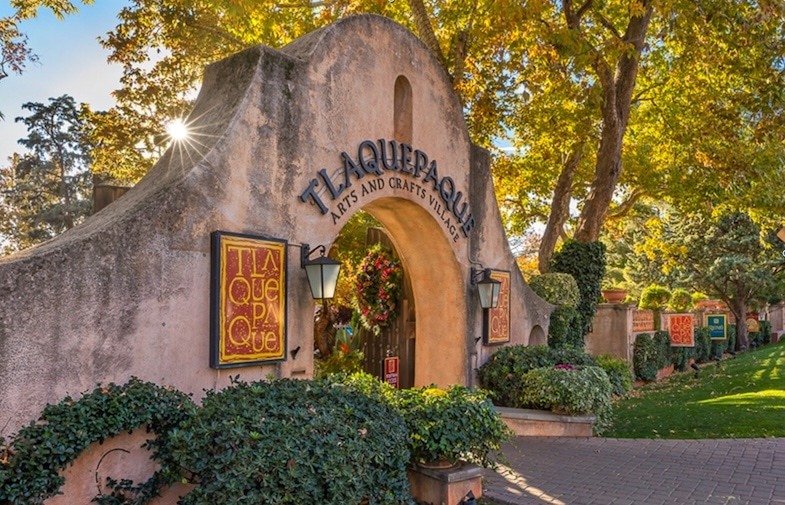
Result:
[{"x": 398, "y": 166}]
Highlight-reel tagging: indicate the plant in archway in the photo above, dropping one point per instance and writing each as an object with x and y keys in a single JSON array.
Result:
[{"x": 378, "y": 289}]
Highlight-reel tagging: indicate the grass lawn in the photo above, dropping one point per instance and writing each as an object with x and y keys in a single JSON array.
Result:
[{"x": 741, "y": 397}]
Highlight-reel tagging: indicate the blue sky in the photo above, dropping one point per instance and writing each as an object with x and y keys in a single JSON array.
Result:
[{"x": 71, "y": 61}]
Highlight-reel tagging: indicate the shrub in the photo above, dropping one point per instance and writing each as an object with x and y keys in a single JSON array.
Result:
[
  {"x": 645, "y": 357},
  {"x": 566, "y": 328},
  {"x": 731, "y": 338},
  {"x": 570, "y": 390},
  {"x": 458, "y": 423},
  {"x": 557, "y": 288},
  {"x": 698, "y": 297},
  {"x": 503, "y": 372},
  {"x": 453, "y": 424},
  {"x": 662, "y": 339},
  {"x": 763, "y": 336},
  {"x": 703, "y": 351},
  {"x": 38, "y": 453},
  {"x": 618, "y": 372},
  {"x": 680, "y": 357},
  {"x": 654, "y": 297},
  {"x": 292, "y": 442},
  {"x": 585, "y": 261},
  {"x": 680, "y": 301}
]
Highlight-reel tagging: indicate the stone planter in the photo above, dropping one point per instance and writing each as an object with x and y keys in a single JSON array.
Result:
[
  {"x": 543, "y": 423},
  {"x": 446, "y": 485}
]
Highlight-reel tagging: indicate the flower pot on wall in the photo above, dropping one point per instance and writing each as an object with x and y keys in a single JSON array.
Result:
[{"x": 614, "y": 295}]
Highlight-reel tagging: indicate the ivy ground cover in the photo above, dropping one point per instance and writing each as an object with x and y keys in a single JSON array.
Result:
[{"x": 741, "y": 397}]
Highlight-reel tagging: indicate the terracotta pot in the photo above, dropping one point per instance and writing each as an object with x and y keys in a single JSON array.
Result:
[
  {"x": 614, "y": 295},
  {"x": 440, "y": 464}
]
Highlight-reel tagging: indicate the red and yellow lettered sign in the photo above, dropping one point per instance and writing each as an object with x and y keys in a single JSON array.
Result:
[
  {"x": 681, "y": 330},
  {"x": 497, "y": 321},
  {"x": 248, "y": 291}
]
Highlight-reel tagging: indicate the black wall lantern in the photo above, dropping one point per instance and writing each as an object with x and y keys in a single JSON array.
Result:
[
  {"x": 487, "y": 286},
  {"x": 322, "y": 272}
]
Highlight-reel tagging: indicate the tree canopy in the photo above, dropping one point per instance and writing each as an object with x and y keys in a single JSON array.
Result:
[
  {"x": 47, "y": 190},
  {"x": 604, "y": 104}
]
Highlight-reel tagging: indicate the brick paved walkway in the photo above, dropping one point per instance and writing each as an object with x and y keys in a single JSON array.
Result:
[{"x": 599, "y": 471}]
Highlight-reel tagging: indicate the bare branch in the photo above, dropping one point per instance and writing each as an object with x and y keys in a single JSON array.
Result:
[{"x": 607, "y": 24}]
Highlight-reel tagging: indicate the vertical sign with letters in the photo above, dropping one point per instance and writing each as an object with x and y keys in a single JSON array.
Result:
[
  {"x": 681, "y": 330},
  {"x": 248, "y": 300},
  {"x": 496, "y": 321}
]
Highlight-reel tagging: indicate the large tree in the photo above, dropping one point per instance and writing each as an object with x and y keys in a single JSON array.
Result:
[
  {"x": 581, "y": 89},
  {"x": 46, "y": 191},
  {"x": 726, "y": 256}
]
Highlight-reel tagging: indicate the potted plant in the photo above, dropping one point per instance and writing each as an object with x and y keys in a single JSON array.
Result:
[{"x": 450, "y": 426}]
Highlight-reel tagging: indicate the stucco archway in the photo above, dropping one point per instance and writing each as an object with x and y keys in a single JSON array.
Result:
[{"x": 285, "y": 137}]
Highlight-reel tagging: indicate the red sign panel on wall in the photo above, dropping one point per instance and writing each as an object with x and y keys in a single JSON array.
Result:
[
  {"x": 496, "y": 321},
  {"x": 248, "y": 292},
  {"x": 680, "y": 327},
  {"x": 391, "y": 374}
]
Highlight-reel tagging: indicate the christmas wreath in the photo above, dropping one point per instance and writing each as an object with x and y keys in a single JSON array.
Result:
[{"x": 378, "y": 289}]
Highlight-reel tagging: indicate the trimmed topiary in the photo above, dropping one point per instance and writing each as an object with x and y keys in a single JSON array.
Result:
[
  {"x": 680, "y": 301},
  {"x": 585, "y": 261},
  {"x": 565, "y": 329},
  {"x": 654, "y": 297},
  {"x": 293, "y": 442},
  {"x": 557, "y": 288}
]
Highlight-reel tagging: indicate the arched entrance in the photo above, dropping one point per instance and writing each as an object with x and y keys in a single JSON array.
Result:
[
  {"x": 437, "y": 288},
  {"x": 428, "y": 332}
]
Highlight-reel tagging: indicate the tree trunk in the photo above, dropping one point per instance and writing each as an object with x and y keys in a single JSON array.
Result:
[
  {"x": 425, "y": 30},
  {"x": 739, "y": 309},
  {"x": 617, "y": 87},
  {"x": 560, "y": 208}
]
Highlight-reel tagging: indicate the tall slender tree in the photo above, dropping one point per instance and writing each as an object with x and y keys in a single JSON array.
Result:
[{"x": 46, "y": 191}]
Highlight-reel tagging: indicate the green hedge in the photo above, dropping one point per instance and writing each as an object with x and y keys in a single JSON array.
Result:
[
  {"x": 585, "y": 261},
  {"x": 566, "y": 328},
  {"x": 618, "y": 372},
  {"x": 293, "y": 442},
  {"x": 649, "y": 354},
  {"x": 502, "y": 373},
  {"x": 557, "y": 288},
  {"x": 569, "y": 390}
]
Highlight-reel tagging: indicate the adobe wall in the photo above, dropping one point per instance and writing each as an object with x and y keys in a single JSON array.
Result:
[{"x": 128, "y": 292}]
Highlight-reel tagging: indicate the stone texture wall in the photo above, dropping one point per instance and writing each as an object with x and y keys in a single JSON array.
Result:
[{"x": 128, "y": 292}]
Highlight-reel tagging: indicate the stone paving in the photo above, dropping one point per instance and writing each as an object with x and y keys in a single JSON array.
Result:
[{"x": 600, "y": 471}]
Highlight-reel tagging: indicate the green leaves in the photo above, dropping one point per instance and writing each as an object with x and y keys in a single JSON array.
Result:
[
  {"x": 293, "y": 442},
  {"x": 40, "y": 451},
  {"x": 46, "y": 191}
]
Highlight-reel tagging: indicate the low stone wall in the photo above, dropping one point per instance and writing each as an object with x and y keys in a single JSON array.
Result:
[{"x": 542, "y": 423}]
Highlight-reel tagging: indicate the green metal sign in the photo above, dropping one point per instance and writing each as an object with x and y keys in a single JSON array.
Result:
[{"x": 718, "y": 326}]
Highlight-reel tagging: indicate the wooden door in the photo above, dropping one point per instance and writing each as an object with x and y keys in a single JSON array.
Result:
[{"x": 397, "y": 339}]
